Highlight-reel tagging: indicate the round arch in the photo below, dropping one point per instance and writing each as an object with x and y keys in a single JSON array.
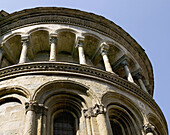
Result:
[
  {"x": 66, "y": 87},
  {"x": 14, "y": 90},
  {"x": 39, "y": 29},
  {"x": 66, "y": 30},
  {"x": 64, "y": 96},
  {"x": 159, "y": 129},
  {"x": 11, "y": 36},
  {"x": 122, "y": 114},
  {"x": 92, "y": 35}
]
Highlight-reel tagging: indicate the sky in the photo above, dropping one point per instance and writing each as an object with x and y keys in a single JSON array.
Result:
[{"x": 147, "y": 21}]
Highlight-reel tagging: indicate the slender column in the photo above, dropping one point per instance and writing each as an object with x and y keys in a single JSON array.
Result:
[
  {"x": 44, "y": 120},
  {"x": 147, "y": 86},
  {"x": 104, "y": 51},
  {"x": 108, "y": 124},
  {"x": 98, "y": 111},
  {"x": 1, "y": 54},
  {"x": 80, "y": 43},
  {"x": 30, "y": 118},
  {"x": 88, "y": 126},
  {"x": 42, "y": 111},
  {"x": 53, "y": 41},
  {"x": 23, "y": 55},
  {"x": 128, "y": 74},
  {"x": 148, "y": 129},
  {"x": 139, "y": 78},
  {"x": 88, "y": 113}
]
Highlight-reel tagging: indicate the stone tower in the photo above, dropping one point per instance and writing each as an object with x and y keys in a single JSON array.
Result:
[{"x": 69, "y": 72}]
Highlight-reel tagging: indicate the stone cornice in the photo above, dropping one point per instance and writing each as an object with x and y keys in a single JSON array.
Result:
[
  {"x": 78, "y": 70},
  {"x": 53, "y": 15}
]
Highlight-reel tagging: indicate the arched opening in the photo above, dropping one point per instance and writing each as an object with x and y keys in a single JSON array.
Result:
[
  {"x": 121, "y": 121},
  {"x": 64, "y": 114},
  {"x": 39, "y": 48},
  {"x": 11, "y": 50},
  {"x": 64, "y": 124},
  {"x": 65, "y": 101},
  {"x": 116, "y": 127},
  {"x": 122, "y": 116},
  {"x": 158, "y": 127}
]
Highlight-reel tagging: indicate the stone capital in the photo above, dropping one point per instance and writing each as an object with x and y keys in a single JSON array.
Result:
[
  {"x": 35, "y": 107},
  {"x": 24, "y": 40},
  {"x": 53, "y": 38},
  {"x": 124, "y": 63},
  {"x": 94, "y": 111},
  {"x": 80, "y": 41},
  {"x": 137, "y": 74},
  {"x": 148, "y": 128},
  {"x": 104, "y": 48}
]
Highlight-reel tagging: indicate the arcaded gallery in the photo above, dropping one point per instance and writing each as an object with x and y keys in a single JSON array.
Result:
[{"x": 69, "y": 72}]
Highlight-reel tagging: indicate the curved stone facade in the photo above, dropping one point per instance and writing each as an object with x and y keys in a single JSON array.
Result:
[{"x": 65, "y": 71}]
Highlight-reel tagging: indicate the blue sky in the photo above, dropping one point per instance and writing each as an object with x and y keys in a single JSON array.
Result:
[{"x": 147, "y": 21}]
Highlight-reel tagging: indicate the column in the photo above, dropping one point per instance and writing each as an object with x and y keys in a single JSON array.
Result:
[
  {"x": 139, "y": 78},
  {"x": 42, "y": 111},
  {"x": 44, "y": 120},
  {"x": 104, "y": 51},
  {"x": 101, "y": 119},
  {"x": 34, "y": 109},
  {"x": 128, "y": 74},
  {"x": 30, "y": 118},
  {"x": 148, "y": 129},
  {"x": 23, "y": 55},
  {"x": 80, "y": 43},
  {"x": 98, "y": 111},
  {"x": 88, "y": 114},
  {"x": 53, "y": 41},
  {"x": 1, "y": 54}
]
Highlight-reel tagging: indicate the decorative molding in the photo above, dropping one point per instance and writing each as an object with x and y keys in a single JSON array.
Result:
[
  {"x": 94, "y": 111},
  {"x": 76, "y": 69}
]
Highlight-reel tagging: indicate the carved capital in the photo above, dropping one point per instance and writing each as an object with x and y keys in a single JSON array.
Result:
[
  {"x": 53, "y": 38},
  {"x": 24, "y": 40},
  {"x": 104, "y": 49},
  {"x": 35, "y": 107},
  {"x": 88, "y": 112},
  {"x": 124, "y": 63},
  {"x": 42, "y": 109},
  {"x": 80, "y": 41},
  {"x": 94, "y": 111},
  {"x": 148, "y": 128},
  {"x": 137, "y": 74}
]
